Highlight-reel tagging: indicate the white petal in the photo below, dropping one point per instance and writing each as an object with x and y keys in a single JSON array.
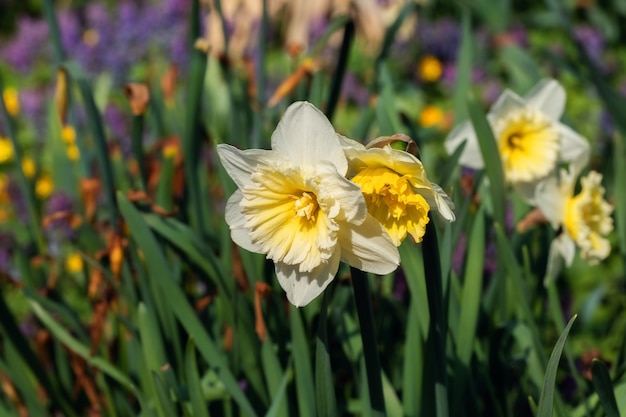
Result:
[
  {"x": 527, "y": 190},
  {"x": 471, "y": 156},
  {"x": 507, "y": 102},
  {"x": 337, "y": 189},
  {"x": 305, "y": 136},
  {"x": 241, "y": 164},
  {"x": 562, "y": 250},
  {"x": 573, "y": 148},
  {"x": 368, "y": 247},
  {"x": 440, "y": 201},
  {"x": 303, "y": 287},
  {"x": 548, "y": 96},
  {"x": 236, "y": 221},
  {"x": 350, "y": 143},
  {"x": 550, "y": 199}
]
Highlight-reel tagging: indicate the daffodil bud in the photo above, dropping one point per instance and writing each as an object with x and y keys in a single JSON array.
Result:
[{"x": 399, "y": 141}]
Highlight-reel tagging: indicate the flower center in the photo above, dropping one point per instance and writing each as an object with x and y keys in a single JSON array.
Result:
[
  {"x": 286, "y": 218},
  {"x": 588, "y": 221},
  {"x": 528, "y": 143},
  {"x": 392, "y": 201},
  {"x": 306, "y": 206}
]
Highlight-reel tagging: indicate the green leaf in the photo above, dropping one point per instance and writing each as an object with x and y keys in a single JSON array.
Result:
[
  {"x": 159, "y": 271},
  {"x": 274, "y": 377},
  {"x": 619, "y": 156},
  {"x": 602, "y": 383},
  {"x": 493, "y": 164},
  {"x": 304, "y": 375},
  {"x": 198, "y": 403},
  {"x": 472, "y": 290},
  {"x": 83, "y": 351},
  {"x": 278, "y": 402},
  {"x": 546, "y": 400},
  {"x": 166, "y": 406},
  {"x": 324, "y": 381}
]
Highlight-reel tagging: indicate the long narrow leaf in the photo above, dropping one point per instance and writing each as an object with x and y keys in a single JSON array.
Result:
[{"x": 546, "y": 400}]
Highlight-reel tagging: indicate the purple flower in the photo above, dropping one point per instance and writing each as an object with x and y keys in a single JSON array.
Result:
[
  {"x": 59, "y": 230},
  {"x": 353, "y": 90},
  {"x": 30, "y": 43},
  {"x": 441, "y": 38},
  {"x": 591, "y": 40},
  {"x": 7, "y": 243}
]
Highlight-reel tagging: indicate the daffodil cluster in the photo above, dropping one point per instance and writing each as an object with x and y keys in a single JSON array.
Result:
[
  {"x": 316, "y": 199},
  {"x": 542, "y": 158}
]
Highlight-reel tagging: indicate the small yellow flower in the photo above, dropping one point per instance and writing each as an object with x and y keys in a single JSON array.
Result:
[
  {"x": 11, "y": 100},
  {"x": 44, "y": 187},
  {"x": 430, "y": 69},
  {"x": 170, "y": 151},
  {"x": 72, "y": 152},
  {"x": 431, "y": 116},
  {"x": 29, "y": 167},
  {"x": 6, "y": 150},
  {"x": 74, "y": 263},
  {"x": 68, "y": 134}
]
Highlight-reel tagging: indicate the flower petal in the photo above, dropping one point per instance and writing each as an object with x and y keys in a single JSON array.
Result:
[
  {"x": 337, "y": 189},
  {"x": 236, "y": 221},
  {"x": 562, "y": 250},
  {"x": 548, "y": 96},
  {"x": 471, "y": 156},
  {"x": 551, "y": 195},
  {"x": 241, "y": 164},
  {"x": 507, "y": 102},
  {"x": 305, "y": 136},
  {"x": 573, "y": 148},
  {"x": 439, "y": 200},
  {"x": 303, "y": 287},
  {"x": 368, "y": 247}
]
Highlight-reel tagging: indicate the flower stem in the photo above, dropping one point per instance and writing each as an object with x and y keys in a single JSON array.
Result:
[
  {"x": 438, "y": 320},
  {"x": 362, "y": 298},
  {"x": 342, "y": 62}
]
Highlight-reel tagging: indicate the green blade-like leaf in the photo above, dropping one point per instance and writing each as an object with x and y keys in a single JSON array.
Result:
[
  {"x": 198, "y": 402},
  {"x": 304, "y": 375},
  {"x": 472, "y": 289},
  {"x": 324, "y": 381},
  {"x": 491, "y": 156},
  {"x": 546, "y": 400},
  {"x": 158, "y": 269},
  {"x": 604, "y": 388}
]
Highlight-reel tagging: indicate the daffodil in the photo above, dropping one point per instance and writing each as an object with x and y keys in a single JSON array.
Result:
[
  {"x": 584, "y": 220},
  {"x": 295, "y": 205},
  {"x": 396, "y": 189},
  {"x": 532, "y": 143}
]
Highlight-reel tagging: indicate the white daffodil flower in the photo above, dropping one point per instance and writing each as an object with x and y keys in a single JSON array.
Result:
[
  {"x": 396, "y": 189},
  {"x": 295, "y": 205},
  {"x": 530, "y": 139},
  {"x": 584, "y": 219}
]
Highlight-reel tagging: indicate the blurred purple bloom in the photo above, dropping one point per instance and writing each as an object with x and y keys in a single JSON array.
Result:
[
  {"x": 441, "y": 38},
  {"x": 59, "y": 230},
  {"x": 7, "y": 243},
  {"x": 353, "y": 90},
  {"x": 29, "y": 44},
  {"x": 33, "y": 104},
  {"x": 591, "y": 40}
]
